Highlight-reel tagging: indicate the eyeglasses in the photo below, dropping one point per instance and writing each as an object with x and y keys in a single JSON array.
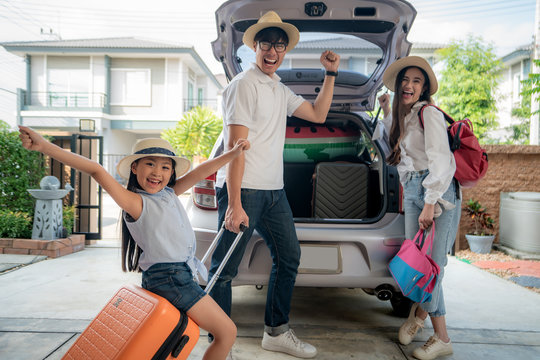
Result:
[{"x": 279, "y": 46}]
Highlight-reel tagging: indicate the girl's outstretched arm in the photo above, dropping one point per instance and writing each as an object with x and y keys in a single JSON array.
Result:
[
  {"x": 127, "y": 200},
  {"x": 209, "y": 167}
]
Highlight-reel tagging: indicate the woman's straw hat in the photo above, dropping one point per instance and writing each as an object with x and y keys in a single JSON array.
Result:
[
  {"x": 152, "y": 147},
  {"x": 389, "y": 77},
  {"x": 271, "y": 19}
]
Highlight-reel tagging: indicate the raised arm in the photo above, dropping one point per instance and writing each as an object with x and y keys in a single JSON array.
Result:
[
  {"x": 318, "y": 111},
  {"x": 127, "y": 200},
  {"x": 209, "y": 167}
]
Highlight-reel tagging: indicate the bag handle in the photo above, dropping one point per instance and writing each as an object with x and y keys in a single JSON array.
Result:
[{"x": 428, "y": 240}]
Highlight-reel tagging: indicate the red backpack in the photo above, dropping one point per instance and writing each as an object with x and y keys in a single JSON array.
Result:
[{"x": 471, "y": 159}]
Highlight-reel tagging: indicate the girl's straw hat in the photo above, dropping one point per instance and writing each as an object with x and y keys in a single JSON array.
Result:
[
  {"x": 152, "y": 147},
  {"x": 389, "y": 77},
  {"x": 271, "y": 19}
]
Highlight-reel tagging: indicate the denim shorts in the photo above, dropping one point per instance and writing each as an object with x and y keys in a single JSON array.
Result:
[{"x": 174, "y": 282}]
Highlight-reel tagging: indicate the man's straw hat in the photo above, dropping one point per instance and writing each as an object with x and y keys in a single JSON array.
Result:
[{"x": 271, "y": 19}]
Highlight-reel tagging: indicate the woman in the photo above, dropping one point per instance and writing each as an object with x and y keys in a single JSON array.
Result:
[{"x": 426, "y": 169}]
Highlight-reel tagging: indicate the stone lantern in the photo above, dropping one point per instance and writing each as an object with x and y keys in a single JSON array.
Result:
[{"x": 49, "y": 209}]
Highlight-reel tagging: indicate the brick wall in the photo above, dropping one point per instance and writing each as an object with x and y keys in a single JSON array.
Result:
[{"x": 511, "y": 168}]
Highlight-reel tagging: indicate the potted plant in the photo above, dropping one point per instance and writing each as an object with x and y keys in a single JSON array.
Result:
[{"x": 480, "y": 235}]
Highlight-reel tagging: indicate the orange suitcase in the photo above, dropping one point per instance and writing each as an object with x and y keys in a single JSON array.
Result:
[{"x": 137, "y": 324}]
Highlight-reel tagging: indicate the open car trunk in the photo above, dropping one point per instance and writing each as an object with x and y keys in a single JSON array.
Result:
[{"x": 331, "y": 172}]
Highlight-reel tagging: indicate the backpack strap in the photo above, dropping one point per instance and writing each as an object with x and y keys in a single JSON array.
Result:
[{"x": 447, "y": 117}]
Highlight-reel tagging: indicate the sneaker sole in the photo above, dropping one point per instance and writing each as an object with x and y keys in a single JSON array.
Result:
[{"x": 281, "y": 350}]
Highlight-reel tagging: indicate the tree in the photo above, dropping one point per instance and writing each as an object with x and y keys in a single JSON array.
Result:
[
  {"x": 468, "y": 83},
  {"x": 195, "y": 133},
  {"x": 531, "y": 87},
  {"x": 520, "y": 132}
]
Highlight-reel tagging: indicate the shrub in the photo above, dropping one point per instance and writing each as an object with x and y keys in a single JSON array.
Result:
[
  {"x": 15, "y": 224},
  {"x": 20, "y": 170},
  {"x": 68, "y": 219}
]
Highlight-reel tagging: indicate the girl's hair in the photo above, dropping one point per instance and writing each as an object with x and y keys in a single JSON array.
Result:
[
  {"x": 399, "y": 113},
  {"x": 131, "y": 252},
  {"x": 272, "y": 34}
]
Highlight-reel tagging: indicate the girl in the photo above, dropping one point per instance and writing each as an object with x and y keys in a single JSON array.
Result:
[
  {"x": 426, "y": 168},
  {"x": 157, "y": 236}
]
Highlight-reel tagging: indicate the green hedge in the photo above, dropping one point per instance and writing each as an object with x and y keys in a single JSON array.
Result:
[
  {"x": 15, "y": 224},
  {"x": 20, "y": 169}
]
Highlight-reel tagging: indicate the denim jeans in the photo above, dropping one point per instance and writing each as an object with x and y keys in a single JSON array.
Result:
[
  {"x": 446, "y": 226},
  {"x": 174, "y": 282},
  {"x": 270, "y": 214}
]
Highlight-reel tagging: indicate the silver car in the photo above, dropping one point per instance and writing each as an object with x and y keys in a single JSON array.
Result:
[{"x": 349, "y": 225}]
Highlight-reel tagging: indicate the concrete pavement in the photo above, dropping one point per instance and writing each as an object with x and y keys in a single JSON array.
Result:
[{"x": 46, "y": 305}]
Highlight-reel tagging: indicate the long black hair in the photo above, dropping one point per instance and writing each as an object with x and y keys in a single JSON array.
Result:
[
  {"x": 399, "y": 113},
  {"x": 131, "y": 252}
]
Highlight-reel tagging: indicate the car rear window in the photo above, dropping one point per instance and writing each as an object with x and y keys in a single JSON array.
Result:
[{"x": 359, "y": 57}]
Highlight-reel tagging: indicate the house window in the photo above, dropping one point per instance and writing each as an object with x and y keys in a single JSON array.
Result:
[
  {"x": 68, "y": 88},
  {"x": 200, "y": 96},
  {"x": 516, "y": 88},
  {"x": 131, "y": 87},
  {"x": 190, "y": 99}
]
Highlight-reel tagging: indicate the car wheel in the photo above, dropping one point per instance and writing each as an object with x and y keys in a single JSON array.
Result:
[{"x": 401, "y": 304}]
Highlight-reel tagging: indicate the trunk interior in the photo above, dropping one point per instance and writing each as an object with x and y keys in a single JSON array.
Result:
[{"x": 331, "y": 171}]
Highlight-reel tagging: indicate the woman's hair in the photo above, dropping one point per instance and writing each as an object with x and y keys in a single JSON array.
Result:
[
  {"x": 399, "y": 113},
  {"x": 131, "y": 252},
  {"x": 272, "y": 34}
]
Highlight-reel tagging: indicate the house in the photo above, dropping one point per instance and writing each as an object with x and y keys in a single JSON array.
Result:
[
  {"x": 517, "y": 66},
  {"x": 119, "y": 88}
]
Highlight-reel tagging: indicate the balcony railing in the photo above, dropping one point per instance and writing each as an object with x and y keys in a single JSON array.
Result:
[
  {"x": 191, "y": 103},
  {"x": 66, "y": 99}
]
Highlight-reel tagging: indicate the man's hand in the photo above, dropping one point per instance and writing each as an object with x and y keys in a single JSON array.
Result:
[
  {"x": 330, "y": 60},
  {"x": 234, "y": 216}
]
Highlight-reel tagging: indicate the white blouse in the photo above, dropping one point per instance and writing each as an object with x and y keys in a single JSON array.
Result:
[{"x": 422, "y": 149}]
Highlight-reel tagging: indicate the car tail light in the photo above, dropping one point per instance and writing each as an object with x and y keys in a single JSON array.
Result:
[
  {"x": 204, "y": 193},
  {"x": 401, "y": 199}
]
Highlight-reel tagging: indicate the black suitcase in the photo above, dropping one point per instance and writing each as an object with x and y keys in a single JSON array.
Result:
[{"x": 340, "y": 190}]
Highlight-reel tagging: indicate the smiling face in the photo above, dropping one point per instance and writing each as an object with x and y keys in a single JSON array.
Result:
[
  {"x": 413, "y": 85},
  {"x": 153, "y": 173},
  {"x": 268, "y": 60}
]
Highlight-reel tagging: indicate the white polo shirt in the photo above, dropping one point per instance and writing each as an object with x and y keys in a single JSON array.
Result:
[{"x": 261, "y": 103}]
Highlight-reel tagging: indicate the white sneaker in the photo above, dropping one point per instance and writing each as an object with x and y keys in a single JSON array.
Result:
[
  {"x": 410, "y": 328},
  {"x": 433, "y": 348},
  {"x": 288, "y": 343}
]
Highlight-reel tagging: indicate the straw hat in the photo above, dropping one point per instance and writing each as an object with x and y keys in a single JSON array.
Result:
[
  {"x": 271, "y": 19},
  {"x": 152, "y": 147},
  {"x": 389, "y": 77}
]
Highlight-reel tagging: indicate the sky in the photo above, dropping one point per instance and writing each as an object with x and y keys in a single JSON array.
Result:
[{"x": 505, "y": 24}]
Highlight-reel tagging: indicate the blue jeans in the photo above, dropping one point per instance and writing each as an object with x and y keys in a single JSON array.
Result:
[
  {"x": 174, "y": 282},
  {"x": 270, "y": 214},
  {"x": 446, "y": 226}
]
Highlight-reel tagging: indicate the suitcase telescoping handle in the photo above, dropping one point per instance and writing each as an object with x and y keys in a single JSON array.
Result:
[{"x": 212, "y": 281}]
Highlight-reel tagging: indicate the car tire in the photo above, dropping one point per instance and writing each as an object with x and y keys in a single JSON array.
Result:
[{"x": 401, "y": 305}]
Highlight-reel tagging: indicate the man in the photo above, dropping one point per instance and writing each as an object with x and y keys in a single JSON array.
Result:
[{"x": 250, "y": 190}]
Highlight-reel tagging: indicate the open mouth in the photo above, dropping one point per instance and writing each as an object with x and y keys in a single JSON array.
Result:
[
  {"x": 270, "y": 61},
  {"x": 407, "y": 94},
  {"x": 154, "y": 182}
]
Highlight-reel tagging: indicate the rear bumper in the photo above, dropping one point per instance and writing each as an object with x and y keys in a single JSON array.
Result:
[{"x": 340, "y": 255}]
